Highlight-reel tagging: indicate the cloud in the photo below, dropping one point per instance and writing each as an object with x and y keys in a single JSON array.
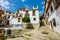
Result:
[
  {"x": 42, "y": 2},
  {"x": 42, "y": 7},
  {"x": 5, "y": 4},
  {"x": 27, "y": 6},
  {"x": 23, "y": 0},
  {"x": 41, "y": 11},
  {"x": 12, "y": 4}
]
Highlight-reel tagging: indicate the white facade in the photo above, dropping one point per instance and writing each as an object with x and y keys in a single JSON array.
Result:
[
  {"x": 32, "y": 17},
  {"x": 22, "y": 13},
  {"x": 55, "y": 14},
  {"x": 15, "y": 21},
  {"x": 16, "y": 18},
  {"x": 30, "y": 12},
  {"x": 57, "y": 28}
]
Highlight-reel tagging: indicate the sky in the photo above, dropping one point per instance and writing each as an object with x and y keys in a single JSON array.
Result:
[{"x": 14, "y": 5}]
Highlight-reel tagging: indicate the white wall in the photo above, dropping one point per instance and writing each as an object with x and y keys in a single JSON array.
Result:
[
  {"x": 55, "y": 15},
  {"x": 15, "y": 21},
  {"x": 32, "y": 17},
  {"x": 52, "y": 16},
  {"x": 22, "y": 13},
  {"x": 58, "y": 20}
]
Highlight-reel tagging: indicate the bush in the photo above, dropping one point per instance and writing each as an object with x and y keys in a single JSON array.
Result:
[{"x": 26, "y": 19}]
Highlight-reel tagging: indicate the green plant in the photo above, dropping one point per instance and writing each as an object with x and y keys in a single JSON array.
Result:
[
  {"x": 41, "y": 16},
  {"x": 26, "y": 19}
]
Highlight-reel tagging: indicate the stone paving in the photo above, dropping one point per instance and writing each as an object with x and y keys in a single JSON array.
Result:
[{"x": 43, "y": 33}]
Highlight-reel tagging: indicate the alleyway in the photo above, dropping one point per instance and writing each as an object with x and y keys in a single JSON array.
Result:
[{"x": 43, "y": 33}]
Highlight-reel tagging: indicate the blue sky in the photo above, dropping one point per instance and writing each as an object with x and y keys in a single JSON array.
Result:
[{"x": 14, "y": 5}]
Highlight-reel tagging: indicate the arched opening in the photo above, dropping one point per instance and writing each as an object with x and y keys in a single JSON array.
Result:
[{"x": 51, "y": 25}]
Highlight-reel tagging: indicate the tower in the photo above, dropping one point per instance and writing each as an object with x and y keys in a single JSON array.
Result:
[{"x": 35, "y": 7}]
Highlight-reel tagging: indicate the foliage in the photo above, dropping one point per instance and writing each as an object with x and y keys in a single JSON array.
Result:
[
  {"x": 41, "y": 16},
  {"x": 26, "y": 19}
]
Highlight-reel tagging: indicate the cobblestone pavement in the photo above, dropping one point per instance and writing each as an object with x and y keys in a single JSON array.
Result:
[{"x": 43, "y": 33}]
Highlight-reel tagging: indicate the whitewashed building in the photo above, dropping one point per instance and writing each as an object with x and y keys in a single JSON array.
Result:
[
  {"x": 52, "y": 14},
  {"x": 15, "y": 19},
  {"x": 33, "y": 14}
]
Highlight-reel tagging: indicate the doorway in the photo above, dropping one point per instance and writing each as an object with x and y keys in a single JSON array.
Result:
[{"x": 51, "y": 25}]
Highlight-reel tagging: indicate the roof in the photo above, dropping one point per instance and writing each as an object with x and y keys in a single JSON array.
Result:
[{"x": 2, "y": 11}]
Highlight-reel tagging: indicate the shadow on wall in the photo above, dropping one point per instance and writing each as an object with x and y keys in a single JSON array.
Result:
[{"x": 29, "y": 26}]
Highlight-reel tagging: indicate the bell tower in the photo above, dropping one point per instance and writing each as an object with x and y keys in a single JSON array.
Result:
[{"x": 35, "y": 7}]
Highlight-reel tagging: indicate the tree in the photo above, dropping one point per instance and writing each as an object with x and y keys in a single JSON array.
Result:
[
  {"x": 26, "y": 19},
  {"x": 41, "y": 17}
]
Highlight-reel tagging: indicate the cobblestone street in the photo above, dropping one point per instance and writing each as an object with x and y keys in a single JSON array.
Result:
[{"x": 43, "y": 33}]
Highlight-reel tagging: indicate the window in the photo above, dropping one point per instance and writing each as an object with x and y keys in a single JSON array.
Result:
[
  {"x": 18, "y": 19},
  {"x": 34, "y": 19},
  {"x": 33, "y": 12},
  {"x": 48, "y": 14},
  {"x": 8, "y": 16},
  {"x": 27, "y": 14},
  {"x": 7, "y": 23},
  {"x": 27, "y": 11},
  {"x": 54, "y": 22},
  {"x": 51, "y": 9},
  {"x": 16, "y": 15}
]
